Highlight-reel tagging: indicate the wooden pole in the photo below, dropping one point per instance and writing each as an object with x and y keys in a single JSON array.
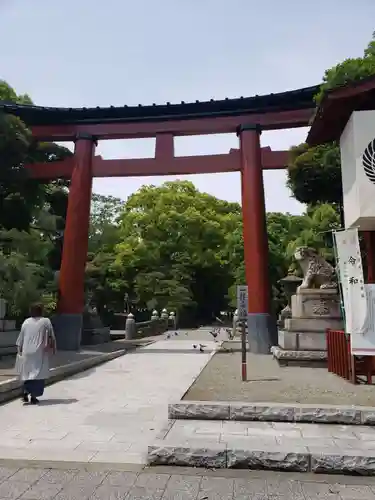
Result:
[{"x": 243, "y": 349}]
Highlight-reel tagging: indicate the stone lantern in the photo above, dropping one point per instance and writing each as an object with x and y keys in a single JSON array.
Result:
[
  {"x": 154, "y": 315},
  {"x": 164, "y": 314},
  {"x": 289, "y": 284}
]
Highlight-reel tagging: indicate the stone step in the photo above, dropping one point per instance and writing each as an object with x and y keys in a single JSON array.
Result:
[
  {"x": 261, "y": 445},
  {"x": 272, "y": 412},
  {"x": 289, "y": 357}
]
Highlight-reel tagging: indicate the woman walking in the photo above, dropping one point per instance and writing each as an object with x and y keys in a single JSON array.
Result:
[{"x": 36, "y": 342}]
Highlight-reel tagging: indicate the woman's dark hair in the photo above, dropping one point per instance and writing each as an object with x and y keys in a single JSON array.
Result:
[{"x": 36, "y": 310}]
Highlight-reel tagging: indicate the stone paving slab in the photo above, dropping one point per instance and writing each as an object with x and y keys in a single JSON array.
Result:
[
  {"x": 168, "y": 484},
  {"x": 63, "y": 365},
  {"x": 108, "y": 414},
  {"x": 264, "y": 445},
  {"x": 249, "y": 411}
]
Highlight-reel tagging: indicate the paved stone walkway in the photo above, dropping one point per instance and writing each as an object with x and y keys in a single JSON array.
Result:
[
  {"x": 108, "y": 414},
  {"x": 269, "y": 434},
  {"x": 48, "y": 484},
  {"x": 267, "y": 445}
]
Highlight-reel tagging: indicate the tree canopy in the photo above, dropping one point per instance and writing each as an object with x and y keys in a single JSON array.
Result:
[
  {"x": 314, "y": 174},
  {"x": 175, "y": 247},
  {"x": 30, "y": 211}
]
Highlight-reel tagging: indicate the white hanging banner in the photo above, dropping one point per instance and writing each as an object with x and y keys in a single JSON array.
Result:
[
  {"x": 364, "y": 345},
  {"x": 352, "y": 282}
]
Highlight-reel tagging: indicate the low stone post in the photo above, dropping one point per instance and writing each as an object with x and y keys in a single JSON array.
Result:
[
  {"x": 130, "y": 328},
  {"x": 235, "y": 323},
  {"x": 172, "y": 320},
  {"x": 154, "y": 315}
]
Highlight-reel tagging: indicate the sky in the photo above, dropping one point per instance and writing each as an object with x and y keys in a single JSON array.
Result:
[{"x": 79, "y": 53}]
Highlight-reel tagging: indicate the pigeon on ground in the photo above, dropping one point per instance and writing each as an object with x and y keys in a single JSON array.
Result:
[
  {"x": 168, "y": 336},
  {"x": 195, "y": 346},
  {"x": 175, "y": 333},
  {"x": 201, "y": 347},
  {"x": 229, "y": 333},
  {"x": 214, "y": 334}
]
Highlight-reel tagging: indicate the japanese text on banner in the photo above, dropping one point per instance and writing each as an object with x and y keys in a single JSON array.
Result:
[{"x": 351, "y": 278}]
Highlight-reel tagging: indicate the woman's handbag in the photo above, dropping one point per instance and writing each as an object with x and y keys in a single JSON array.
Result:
[{"x": 18, "y": 365}]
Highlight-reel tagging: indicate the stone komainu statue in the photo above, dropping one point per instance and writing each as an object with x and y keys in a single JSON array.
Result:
[{"x": 317, "y": 272}]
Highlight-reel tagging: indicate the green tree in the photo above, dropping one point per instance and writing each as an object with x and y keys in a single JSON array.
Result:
[
  {"x": 314, "y": 174},
  {"x": 349, "y": 71},
  {"x": 104, "y": 221},
  {"x": 318, "y": 223},
  {"x": 105, "y": 281},
  {"x": 173, "y": 245},
  {"x": 29, "y": 209},
  {"x": 281, "y": 230}
]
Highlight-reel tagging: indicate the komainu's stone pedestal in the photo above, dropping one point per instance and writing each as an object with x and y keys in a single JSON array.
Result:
[{"x": 303, "y": 338}]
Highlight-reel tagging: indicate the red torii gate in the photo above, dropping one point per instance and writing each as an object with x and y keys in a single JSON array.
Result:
[{"x": 245, "y": 116}]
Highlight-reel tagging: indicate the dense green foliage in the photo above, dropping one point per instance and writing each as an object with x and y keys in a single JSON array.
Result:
[
  {"x": 349, "y": 71},
  {"x": 30, "y": 213}
]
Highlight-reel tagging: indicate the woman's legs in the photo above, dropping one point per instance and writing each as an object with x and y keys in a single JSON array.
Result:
[
  {"x": 35, "y": 388},
  {"x": 25, "y": 394}
]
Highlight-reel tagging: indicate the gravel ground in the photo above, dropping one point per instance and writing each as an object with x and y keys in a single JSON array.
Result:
[{"x": 267, "y": 382}]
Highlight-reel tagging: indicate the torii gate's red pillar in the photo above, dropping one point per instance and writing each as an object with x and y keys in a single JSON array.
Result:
[
  {"x": 260, "y": 324},
  {"x": 68, "y": 322}
]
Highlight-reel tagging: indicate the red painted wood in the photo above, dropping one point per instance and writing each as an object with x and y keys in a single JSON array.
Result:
[
  {"x": 71, "y": 281},
  {"x": 340, "y": 359},
  {"x": 181, "y": 165},
  {"x": 274, "y": 160},
  {"x": 164, "y": 146},
  {"x": 211, "y": 125},
  {"x": 54, "y": 170},
  {"x": 254, "y": 223},
  {"x": 330, "y": 360}
]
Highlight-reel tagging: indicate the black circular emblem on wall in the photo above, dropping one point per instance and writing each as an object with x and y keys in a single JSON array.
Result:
[{"x": 368, "y": 161}]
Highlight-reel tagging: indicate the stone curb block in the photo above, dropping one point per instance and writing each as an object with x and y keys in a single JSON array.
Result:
[
  {"x": 290, "y": 460},
  {"x": 212, "y": 456},
  {"x": 198, "y": 411},
  {"x": 271, "y": 412},
  {"x": 355, "y": 462},
  {"x": 294, "y": 459},
  {"x": 10, "y": 389}
]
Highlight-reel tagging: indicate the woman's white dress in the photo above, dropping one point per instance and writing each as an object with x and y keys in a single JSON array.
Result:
[{"x": 33, "y": 342}]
